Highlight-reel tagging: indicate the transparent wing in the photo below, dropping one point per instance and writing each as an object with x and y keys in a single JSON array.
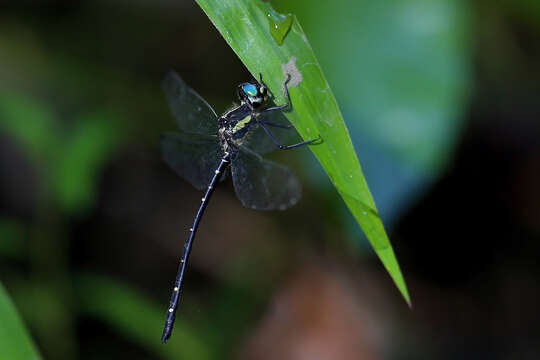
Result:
[
  {"x": 263, "y": 185},
  {"x": 191, "y": 112},
  {"x": 193, "y": 157},
  {"x": 261, "y": 143}
]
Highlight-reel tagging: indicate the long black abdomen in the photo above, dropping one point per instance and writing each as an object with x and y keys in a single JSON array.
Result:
[{"x": 173, "y": 305}]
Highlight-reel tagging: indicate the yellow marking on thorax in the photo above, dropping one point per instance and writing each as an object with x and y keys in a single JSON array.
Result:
[{"x": 242, "y": 123}]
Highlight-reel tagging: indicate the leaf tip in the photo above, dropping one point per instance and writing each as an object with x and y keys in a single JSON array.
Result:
[{"x": 389, "y": 261}]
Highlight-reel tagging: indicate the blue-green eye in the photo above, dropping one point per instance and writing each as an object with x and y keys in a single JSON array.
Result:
[{"x": 250, "y": 89}]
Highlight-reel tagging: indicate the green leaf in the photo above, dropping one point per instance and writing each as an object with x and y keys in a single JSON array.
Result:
[
  {"x": 15, "y": 343},
  {"x": 244, "y": 25}
]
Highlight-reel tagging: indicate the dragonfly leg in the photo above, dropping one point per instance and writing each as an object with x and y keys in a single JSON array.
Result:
[
  {"x": 285, "y": 94},
  {"x": 261, "y": 81},
  {"x": 285, "y": 147}
]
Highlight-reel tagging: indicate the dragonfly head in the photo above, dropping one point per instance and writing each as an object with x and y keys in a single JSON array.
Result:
[{"x": 254, "y": 94}]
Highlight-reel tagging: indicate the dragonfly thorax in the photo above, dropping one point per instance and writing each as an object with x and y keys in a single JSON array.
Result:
[{"x": 235, "y": 125}]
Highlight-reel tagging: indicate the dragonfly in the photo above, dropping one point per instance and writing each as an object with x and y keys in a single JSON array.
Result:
[{"x": 208, "y": 146}]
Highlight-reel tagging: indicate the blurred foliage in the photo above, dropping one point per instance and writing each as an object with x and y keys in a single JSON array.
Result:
[
  {"x": 66, "y": 151},
  {"x": 134, "y": 316},
  {"x": 15, "y": 344},
  {"x": 67, "y": 154},
  {"x": 401, "y": 74},
  {"x": 11, "y": 238}
]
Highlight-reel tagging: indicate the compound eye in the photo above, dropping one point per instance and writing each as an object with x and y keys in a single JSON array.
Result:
[{"x": 250, "y": 89}]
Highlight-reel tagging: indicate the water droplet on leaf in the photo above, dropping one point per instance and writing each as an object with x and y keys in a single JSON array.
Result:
[{"x": 279, "y": 24}]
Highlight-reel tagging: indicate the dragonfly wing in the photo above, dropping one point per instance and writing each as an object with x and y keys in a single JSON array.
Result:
[
  {"x": 193, "y": 157},
  {"x": 191, "y": 112},
  {"x": 262, "y": 184},
  {"x": 261, "y": 143}
]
